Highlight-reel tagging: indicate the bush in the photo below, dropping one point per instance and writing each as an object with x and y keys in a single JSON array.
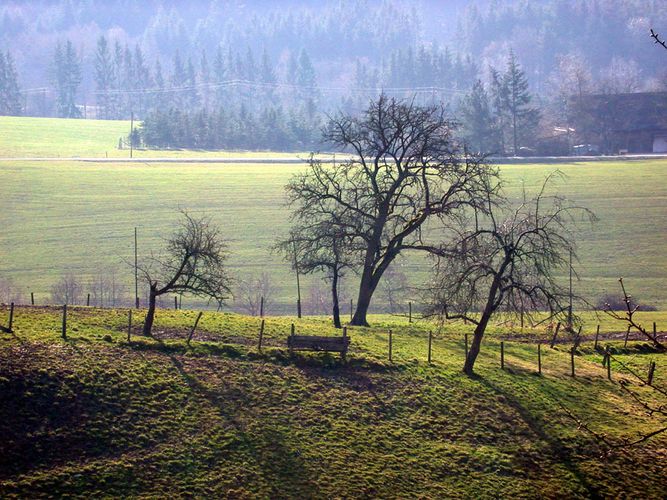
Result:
[{"x": 616, "y": 303}]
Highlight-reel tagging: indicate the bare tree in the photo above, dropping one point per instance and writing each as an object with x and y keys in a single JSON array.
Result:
[
  {"x": 658, "y": 40},
  {"x": 393, "y": 287},
  {"x": 320, "y": 244},
  {"x": 628, "y": 316},
  {"x": 67, "y": 290},
  {"x": 9, "y": 292},
  {"x": 317, "y": 300},
  {"x": 106, "y": 289},
  {"x": 509, "y": 265},
  {"x": 406, "y": 168},
  {"x": 192, "y": 263},
  {"x": 250, "y": 293}
]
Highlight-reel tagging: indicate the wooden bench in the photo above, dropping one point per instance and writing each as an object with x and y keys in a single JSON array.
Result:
[{"x": 317, "y": 343}]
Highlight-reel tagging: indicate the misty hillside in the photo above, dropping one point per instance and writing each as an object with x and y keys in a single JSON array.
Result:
[
  {"x": 232, "y": 75},
  {"x": 352, "y": 45}
]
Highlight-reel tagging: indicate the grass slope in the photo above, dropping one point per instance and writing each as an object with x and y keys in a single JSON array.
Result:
[
  {"x": 79, "y": 217},
  {"x": 96, "y": 416}
]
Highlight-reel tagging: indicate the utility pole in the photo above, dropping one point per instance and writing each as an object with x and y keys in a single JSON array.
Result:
[
  {"x": 569, "y": 311},
  {"x": 131, "y": 132},
  {"x": 298, "y": 284},
  {"x": 136, "y": 272}
]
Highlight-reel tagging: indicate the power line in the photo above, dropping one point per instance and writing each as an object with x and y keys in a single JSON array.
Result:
[{"x": 249, "y": 84}]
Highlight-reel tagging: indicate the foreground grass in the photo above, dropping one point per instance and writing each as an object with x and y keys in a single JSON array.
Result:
[
  {"x": 79, "y": 217},
  {"x": 96, "y": 415}
]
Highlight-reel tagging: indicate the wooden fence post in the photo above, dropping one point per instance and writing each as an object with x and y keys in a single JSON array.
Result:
[
  {"x": 577, "y": 338},
  {"x": 129, "y": 325},
  {"x": 32, "y": 298},
  {"x": 651, "y": 371},
  {"x": 261, "y": 307},
  {"x": 597, "y": 334},
  {"x": 11, "y": 318},
  {"x": 88, "y": 301},
  {"x": 572, "y": 350},
  {"x": 390, "y": 346},
  {"x": 261, "y": 336},
  {"x": 175, "y": 302},
  {"x": 409, "y": 312},
  {"x": 351, "y": 309},
  {"x": 430, "y": 344},
  {"x": 553, "y": 340},
  {"x": 192, "y": 332},
  {"x": 292, "y": 330},
  {"x": 466, "y": 344},
  {"x": 64, "y": 331},
  {"x": 539, "y": 359},
  {"x": 655, "y": 333},
  {"x": 608, "y": 358},
  {"x": 627, "y": 334},
  {"x": 502, "y": 355},
  {"x": 343, "y": 354}
]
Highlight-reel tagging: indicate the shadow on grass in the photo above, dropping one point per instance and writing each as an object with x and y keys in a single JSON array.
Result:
[{"x": 542, "y": 429}]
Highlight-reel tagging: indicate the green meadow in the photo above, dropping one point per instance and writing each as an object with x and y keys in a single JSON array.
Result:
[
  {"x": 77, "y": 217},
  {"x": 60, "y": 217}
]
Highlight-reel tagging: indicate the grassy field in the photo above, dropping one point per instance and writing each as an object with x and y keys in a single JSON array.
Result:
[
  {"x": 79, "y": 217},
  {"x": 98, "y": 416},
  {"x": 70, "y": 138}
]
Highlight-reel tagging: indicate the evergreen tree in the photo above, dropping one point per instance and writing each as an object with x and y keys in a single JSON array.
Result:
[
  {"x": 67, "y": 80},
  {"x": 205, "y": 79},
  {"x": 499, "y": 107},
  {"x": 10, "y": 93},
  {"x": 191, "y": 96},
  {"x": 143, "y": 82},
  {"x": 159, "y": 98},
  {"x": 267, "y": 76},
  {"x": 178, "y": 81},
  {"x": 523, "y": 117},
  {"x": 479, "y": 130},
  {"x": 104, "y": 78}
]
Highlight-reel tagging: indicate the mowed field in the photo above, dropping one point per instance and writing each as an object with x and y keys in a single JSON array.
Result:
[{"x": 68, "y": 216}]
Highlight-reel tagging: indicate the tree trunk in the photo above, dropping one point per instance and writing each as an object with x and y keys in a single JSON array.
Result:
[
  {"x": 489, "y": 309},
  {"x": 366, "y": 289},
  {"x": 468, "y": 367},
  {"x": 334, "y": 297},
  {"x": 150, "y": 314}
]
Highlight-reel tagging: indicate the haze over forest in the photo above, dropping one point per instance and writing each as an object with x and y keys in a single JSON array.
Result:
[{"x": 268, "y": 71}]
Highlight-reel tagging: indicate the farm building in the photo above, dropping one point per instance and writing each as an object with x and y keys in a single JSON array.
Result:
[{"x": 621, "y": 123}]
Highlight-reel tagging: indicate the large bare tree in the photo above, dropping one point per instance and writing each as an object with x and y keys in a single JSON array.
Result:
[
  {"x": 508, "y": 260},
  {"x": 192, "y": 263},
  {"x": 405, "y": 169}
]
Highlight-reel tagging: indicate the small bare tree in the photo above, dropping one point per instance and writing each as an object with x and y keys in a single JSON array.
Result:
[
  {"x": 250, "y": 293},
  {"x": 106, "y": 289},
  {"x": 508, "y": 264},
  {"x": 320, "y": 245},
  {"x": 67, "y": 290},
  {"x": 393, "y": 287},
  {"x": 9, "y": 292},
  {"x": 628, "y": 316},
  {"x": 192, "y": 263}
]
